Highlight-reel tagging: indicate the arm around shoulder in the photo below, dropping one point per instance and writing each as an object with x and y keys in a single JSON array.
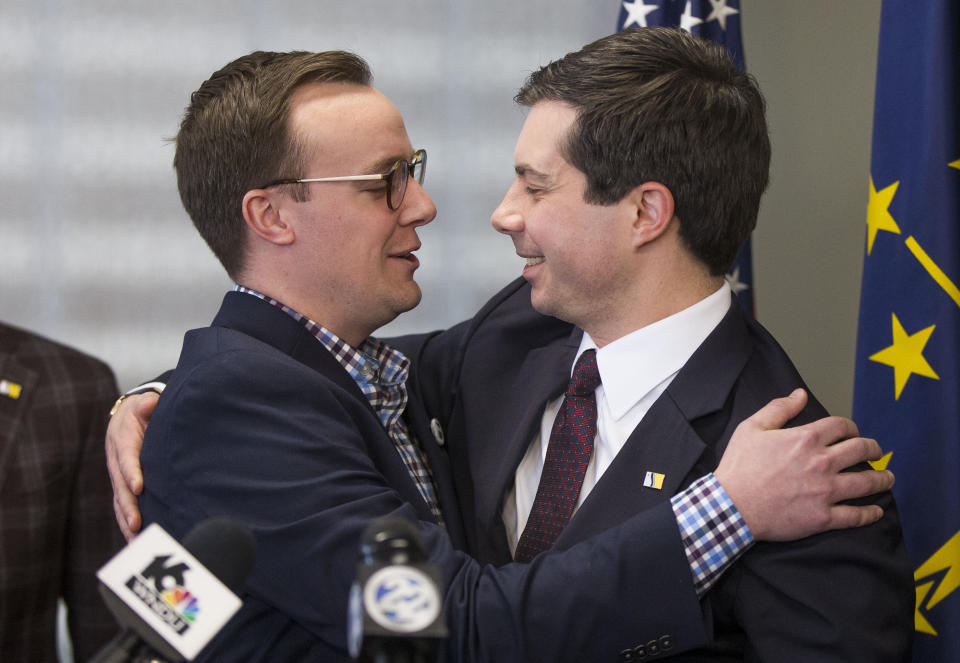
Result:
[{"x": 311, "y": 479}]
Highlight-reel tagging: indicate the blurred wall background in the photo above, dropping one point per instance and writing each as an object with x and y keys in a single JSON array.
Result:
[{"x": 96, "y": 251}]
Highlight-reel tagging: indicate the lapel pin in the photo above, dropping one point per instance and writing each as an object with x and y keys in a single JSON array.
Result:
[
  {"x": 10, "y": 389},
  {"x": 654, "y": 480},
  {"x": 437, "y": 430}
]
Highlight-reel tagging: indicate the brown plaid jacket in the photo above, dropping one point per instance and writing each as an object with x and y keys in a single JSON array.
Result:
[{"x": 56, "y": 519}]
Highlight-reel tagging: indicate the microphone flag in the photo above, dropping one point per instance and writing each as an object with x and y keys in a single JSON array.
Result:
[{"x": 170, "y": 590}]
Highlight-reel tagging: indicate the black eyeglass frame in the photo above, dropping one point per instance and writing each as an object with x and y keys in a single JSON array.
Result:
[{"x": 396, "y": 178}]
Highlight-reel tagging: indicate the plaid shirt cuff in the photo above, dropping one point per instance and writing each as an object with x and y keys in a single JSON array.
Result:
[{"x": 714, "y": 534}]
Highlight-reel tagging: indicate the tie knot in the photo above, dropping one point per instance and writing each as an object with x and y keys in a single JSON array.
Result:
[{"x": 586, "y": 375}]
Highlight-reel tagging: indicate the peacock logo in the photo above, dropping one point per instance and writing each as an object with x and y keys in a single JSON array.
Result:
[{"x": 185, "y": 603}]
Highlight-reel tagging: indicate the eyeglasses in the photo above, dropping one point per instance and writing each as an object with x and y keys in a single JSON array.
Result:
[{"x": 396, "y": 178}]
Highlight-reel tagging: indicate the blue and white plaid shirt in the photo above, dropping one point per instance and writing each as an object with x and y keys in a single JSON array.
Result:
[
  {"x": 713, "y": 532},
  {"x": 381, "y": 373}
]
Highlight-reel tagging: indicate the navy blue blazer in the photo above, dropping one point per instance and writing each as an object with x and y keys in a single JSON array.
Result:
[
  {"x": 260, "y": 423},
  {"x": 839, "y": 596}
]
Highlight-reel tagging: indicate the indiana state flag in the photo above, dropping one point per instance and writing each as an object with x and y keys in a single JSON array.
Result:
[
  {"x": 907, "y": 390},
  {"x": 719, "y": 21}
]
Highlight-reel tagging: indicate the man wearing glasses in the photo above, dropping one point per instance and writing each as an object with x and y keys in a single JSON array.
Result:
[{"x": 287, "y": 415}]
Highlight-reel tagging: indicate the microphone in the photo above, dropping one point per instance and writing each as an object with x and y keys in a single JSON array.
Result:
[
  {"x": 395, "y": 610},
  {"x": 172, "y": 599}
]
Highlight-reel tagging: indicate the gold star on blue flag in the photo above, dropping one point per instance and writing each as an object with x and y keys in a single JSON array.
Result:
[
  {"x": 719, "y": 21},
  {"x": 907, "y": 387}
]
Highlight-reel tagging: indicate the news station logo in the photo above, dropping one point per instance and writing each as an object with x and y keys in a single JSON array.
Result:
[
  {"x": 402, "y": 598},
  {"x": 162, "y": 588}
]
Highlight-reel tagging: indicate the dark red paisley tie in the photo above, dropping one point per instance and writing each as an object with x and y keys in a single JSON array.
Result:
[{"x": 568, "y": 453}]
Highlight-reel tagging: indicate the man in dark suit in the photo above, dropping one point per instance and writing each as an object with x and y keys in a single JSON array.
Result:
[
  {"x": 286, "y": 414},
  {"x": 56, "y": 525},
  {"x": 639, "y": 173}
]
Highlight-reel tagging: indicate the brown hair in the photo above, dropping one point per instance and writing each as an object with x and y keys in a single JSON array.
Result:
[
  {"x": 658, "y": 104},
  {"x": 234, "y": 137}
]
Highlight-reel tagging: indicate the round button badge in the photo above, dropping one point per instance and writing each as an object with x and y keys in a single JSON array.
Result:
[{"x": 401, "y": 598}]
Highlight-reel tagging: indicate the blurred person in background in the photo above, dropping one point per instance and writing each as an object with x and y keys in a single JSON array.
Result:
[{"x": 56, "y": 520}]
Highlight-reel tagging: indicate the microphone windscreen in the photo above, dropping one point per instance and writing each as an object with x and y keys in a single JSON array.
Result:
[
  {"x": 391, "y": 540},
  {"x": 225, "y": 547}
]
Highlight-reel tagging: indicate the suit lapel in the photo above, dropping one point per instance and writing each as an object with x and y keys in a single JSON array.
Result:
[
  {"x": 13, "y": 410},
  {"x": 265, "y": 322},
  {"x": 665, "y": 443},
  {"x": 706, "y": 381},
  {"x": 542, "y": 376},
  {"x": 667, "y": 440},
  {"x": 439, "y": 461}
]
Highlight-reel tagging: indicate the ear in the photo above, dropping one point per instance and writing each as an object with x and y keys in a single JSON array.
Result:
[
  {"x": 262, "y": 210},
  {"x": 652, "y": 203}
]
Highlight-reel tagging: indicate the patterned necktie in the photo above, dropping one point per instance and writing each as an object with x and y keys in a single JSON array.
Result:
[{"x": 568, "y": 453}]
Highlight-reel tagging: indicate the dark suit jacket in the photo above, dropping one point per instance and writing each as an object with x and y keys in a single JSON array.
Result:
[
  {"x": 839, "y": 596},
  {"x": 259, "y": 422},
  {"x": 56, "y": 518}
]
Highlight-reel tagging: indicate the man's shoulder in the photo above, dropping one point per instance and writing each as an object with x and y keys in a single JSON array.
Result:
[
  {"x": 744, "y": 348},
  {"x": 771, "y": 372},
  {"x": 866, "y": 567},
  {"x": 47, "y": 356},
  {"x": 232, "y": 373},
  {"x": 509, "y": 320},
  {"x": 737, "y": 370},
  {"x": 511, "y": 303},
  {"x": 232, "y": 360},
  {"x": 229, "y": 386},
  {"x": 501, "y": 333},
  {"x": 207, "y": 342}
]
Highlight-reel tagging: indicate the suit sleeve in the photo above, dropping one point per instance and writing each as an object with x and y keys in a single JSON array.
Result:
[
  {"x": 92, "y": 534},
  {"x": 309, "y": 479},
  {"x": 843, "y": 596}
]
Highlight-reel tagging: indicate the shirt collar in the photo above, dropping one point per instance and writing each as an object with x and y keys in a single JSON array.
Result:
[
  {"x": 373, "y": 363},
  {"x": 634, "y": 364}
]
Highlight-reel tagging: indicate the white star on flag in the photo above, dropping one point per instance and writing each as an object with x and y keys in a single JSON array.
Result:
[
  {"x": 720, "y": 12},
  {"x": 637, "y": 13},
  {"x": 688, "y": 20},
  {"x": 733, "y": 278}
]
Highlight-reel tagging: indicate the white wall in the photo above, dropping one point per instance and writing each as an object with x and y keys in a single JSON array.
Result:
[{"x": 816, "y": 63}]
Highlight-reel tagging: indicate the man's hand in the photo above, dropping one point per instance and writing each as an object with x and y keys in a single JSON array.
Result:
[
  {"x": 787, "y": 483},
  {"x": 123, "y": 443}
]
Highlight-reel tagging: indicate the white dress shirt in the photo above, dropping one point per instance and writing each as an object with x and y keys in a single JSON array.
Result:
[{"x": 635, "y": 369}]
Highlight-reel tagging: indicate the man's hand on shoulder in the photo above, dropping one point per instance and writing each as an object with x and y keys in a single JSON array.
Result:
[
  {"x": 123, "y": 443},
  {"x": 788, "y": 483}
]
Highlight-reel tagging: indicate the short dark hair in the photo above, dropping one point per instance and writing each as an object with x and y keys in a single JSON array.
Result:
[
  {"x": 658, "y": 104},
  {"x": 235, "y": 137}
]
